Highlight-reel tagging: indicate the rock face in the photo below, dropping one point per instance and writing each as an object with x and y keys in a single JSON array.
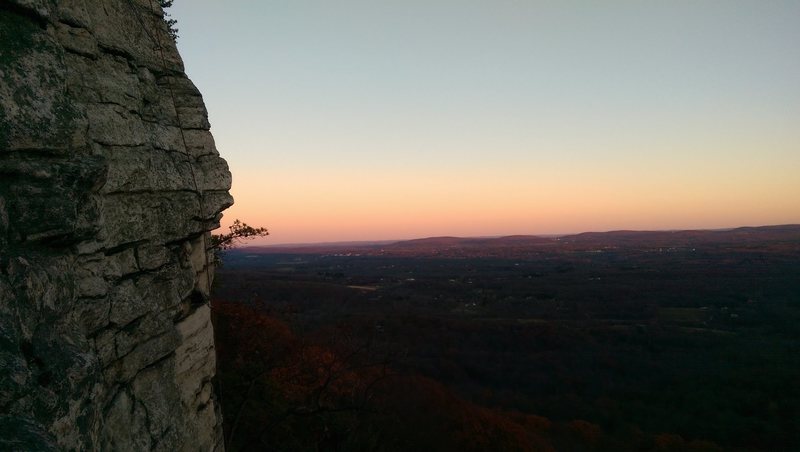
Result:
[{"x": 109, "y": 185}]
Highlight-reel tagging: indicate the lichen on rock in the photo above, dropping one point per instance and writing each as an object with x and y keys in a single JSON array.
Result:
[{"x": 110, "y": 184}]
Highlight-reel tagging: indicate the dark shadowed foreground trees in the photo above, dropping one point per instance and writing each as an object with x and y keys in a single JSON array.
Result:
[{"x": 338, "y": 390}]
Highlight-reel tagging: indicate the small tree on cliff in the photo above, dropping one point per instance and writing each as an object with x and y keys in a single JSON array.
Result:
[
  {"x": 172, "y": 28},
  {"x": 239, "y": 232}
]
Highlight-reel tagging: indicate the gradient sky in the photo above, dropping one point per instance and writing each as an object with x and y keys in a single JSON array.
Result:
[{"x": 362, "y": 120}]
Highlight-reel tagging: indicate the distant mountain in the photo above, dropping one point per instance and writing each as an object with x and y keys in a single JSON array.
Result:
[
  {"x": 469, "y": 242},
  {"x": 528, "y": 245},
  {"x": 740, "y": 235}
]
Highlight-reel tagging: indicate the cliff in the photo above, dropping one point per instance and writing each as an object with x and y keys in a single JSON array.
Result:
[{"x": 109, "y": 185}]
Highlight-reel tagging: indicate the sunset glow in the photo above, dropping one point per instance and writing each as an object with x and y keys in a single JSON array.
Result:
[{"x": 366, "y": 121}]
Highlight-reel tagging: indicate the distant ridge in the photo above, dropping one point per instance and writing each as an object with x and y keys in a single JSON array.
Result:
[
  {"x": 326, "y": 244},
  {"x": 742, "y": 234},
  {"x": 525, "y": 245}
]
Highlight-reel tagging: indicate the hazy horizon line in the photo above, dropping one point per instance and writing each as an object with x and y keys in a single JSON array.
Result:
[{"x": 545, "y": 235}]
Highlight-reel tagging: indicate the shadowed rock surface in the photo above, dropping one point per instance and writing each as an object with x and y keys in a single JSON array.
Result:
[{"x": 109, "y": 185}]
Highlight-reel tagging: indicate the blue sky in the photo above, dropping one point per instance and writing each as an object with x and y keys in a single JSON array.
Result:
[{"x": 688, "y": 105}]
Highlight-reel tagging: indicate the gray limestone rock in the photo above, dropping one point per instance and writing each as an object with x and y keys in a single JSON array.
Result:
[{"x": 109, "y": 185}]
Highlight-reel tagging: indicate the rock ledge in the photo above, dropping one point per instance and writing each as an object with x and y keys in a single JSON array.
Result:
[{"x": 109, "y": 185}]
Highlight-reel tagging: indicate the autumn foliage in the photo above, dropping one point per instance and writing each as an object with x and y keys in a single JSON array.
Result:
[{"x": 339, "y": 388}]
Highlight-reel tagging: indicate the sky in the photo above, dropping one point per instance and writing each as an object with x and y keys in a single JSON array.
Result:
[{"x": 395, "y": 119}]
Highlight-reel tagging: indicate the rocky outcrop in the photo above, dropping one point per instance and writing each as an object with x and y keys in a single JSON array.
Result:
[{"x": 109, "y": 185}]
